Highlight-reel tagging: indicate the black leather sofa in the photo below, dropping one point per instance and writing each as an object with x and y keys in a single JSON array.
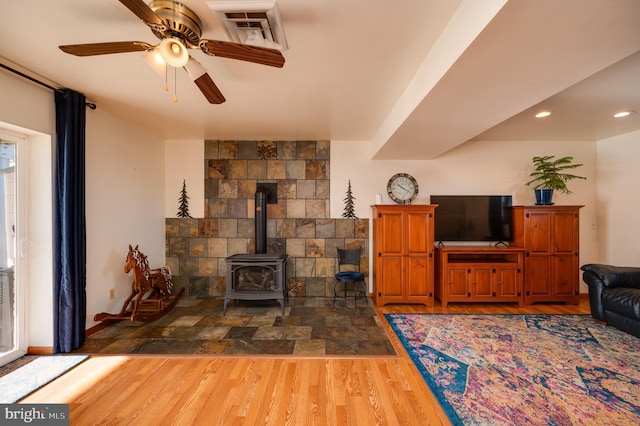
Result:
[{"x": 614, "y": 295}]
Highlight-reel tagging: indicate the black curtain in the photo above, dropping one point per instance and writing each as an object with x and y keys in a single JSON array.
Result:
[{"x": 69, "y": 233}]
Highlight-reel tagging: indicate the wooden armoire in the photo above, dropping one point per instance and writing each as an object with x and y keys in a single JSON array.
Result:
[
  {"x": 550, "y": 236},
  {"x": 404, "y": 254}
]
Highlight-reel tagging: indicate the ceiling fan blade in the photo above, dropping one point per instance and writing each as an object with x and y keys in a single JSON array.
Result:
[
  {"x": 209, "y": 89},
  {"x": 92, "y": 49},
  {"x": 144, "y": 12},
  {"x": 243, "y": 52},
  {"x": 199, "y": 75}
]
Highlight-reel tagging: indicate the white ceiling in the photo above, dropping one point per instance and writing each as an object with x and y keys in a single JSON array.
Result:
[{"x": 416, "y": 77}]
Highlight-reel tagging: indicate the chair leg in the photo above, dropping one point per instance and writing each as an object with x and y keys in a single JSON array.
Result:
[
  {"x": 335, "y": 291},
  {"x": 357, "y": 295},
  {"x": 364, "y": 291},
  {"x": 359, "y": 291}
]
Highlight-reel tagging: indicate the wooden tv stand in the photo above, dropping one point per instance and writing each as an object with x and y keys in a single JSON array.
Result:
[{"x": 479, "y": 274}]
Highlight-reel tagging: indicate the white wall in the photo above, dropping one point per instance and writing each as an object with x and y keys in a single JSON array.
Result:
[
  {"x": 125, "y": 201},
  {"x": 125, "y": 205},
  {"x": 618, "y": 200},
  {"x": 39, "y": 237},
  {"x": 28, "y": 110},
  {"x": 475, "y": 168},
  {"x": 184, "y": 161}
]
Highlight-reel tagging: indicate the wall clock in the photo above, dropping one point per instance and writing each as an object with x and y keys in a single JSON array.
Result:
[{"x": 402, "y": 188}]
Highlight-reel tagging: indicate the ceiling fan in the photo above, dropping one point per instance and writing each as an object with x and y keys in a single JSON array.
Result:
[{"x": 179, "y": 29}]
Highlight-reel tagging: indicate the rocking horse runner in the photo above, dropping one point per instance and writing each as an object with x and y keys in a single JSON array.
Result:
[{"x": 157, "y": 281}]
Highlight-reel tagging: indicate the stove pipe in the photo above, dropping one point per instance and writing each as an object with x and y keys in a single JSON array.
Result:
[{"x": 261, "y": 222}]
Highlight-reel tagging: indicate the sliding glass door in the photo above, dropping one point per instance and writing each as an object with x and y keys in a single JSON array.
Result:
[{"x": 12, "y": 342}]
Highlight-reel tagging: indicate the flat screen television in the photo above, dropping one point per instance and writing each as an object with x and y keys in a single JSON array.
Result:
[{"x": 473, "y": 218}]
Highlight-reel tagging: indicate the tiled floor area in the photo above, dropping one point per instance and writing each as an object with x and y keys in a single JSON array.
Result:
[
  {"x": 311, "y": 326},
  {"x": 14, "y": 365}
]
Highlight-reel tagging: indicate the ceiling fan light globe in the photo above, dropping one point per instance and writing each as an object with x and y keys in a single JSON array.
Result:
[
  {"x": 154, "y": 59},
  {"x": 174, "y": 52}
]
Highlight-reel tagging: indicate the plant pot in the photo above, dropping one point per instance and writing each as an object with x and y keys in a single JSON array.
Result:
[{"x": 544, "y": 197}]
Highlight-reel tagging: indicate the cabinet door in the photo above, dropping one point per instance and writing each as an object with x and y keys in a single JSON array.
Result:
[
  {"x": 481, "y": 288},
  {"x": 456, "y": 285},
  {"x": 507, "y": 280},
  {"x": 417, "y": 233},
  {"x": 537, "y": 278},
  {"x": 563, "y": 271},
  {"x": 564, "y": 234},
  {"x": 389, "y": 279},
  {"x": 390, "y": 235},
  {"x": 539, "y": 229},
  {"x": 564, "y": 262},
  {"x": 417, "y": 273},
  {"x": 419, "y": 256}
]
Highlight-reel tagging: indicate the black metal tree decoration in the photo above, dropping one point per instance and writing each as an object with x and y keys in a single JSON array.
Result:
[
  {"x": 348, "y": 205},
  {"x": 183, "y": 209}
]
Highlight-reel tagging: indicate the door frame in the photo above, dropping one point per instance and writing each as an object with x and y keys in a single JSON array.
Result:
[{"x": 21, "y": 338}]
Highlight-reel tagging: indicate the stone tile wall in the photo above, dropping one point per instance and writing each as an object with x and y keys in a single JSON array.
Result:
[{"x": 298, "y": 225}]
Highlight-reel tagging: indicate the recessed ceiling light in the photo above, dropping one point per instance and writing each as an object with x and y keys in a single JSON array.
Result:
[
  {"x": 543, "y": 114},
  {"x": 624, "y": 113}
]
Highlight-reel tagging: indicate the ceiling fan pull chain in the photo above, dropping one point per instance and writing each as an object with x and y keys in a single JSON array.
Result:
[
  {"x": 166, "y": 83},
  {"x": 175, "y": 86}
]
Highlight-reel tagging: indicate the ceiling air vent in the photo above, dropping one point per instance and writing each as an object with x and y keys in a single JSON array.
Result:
[{"x": 254, "y": 23}]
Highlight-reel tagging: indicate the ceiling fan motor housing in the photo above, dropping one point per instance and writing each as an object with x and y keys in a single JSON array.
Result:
[{"x": 182, "y": 22}]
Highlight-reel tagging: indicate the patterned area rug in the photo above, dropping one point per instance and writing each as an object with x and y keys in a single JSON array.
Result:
[
  {"x": 35, "y": 374},
  {"x": 525, "y": 369}
]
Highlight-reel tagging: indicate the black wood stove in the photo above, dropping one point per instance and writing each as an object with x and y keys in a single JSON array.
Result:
[{"x": 258, "y": 276}]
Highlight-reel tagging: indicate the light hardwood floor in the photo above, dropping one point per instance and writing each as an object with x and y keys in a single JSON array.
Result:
[{"x": 270, "y": 390}]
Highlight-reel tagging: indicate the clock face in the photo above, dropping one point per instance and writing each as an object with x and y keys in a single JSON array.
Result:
[{"x": 402, "y": 188}]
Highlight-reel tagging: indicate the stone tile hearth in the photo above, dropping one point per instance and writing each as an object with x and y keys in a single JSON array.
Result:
[{"x": 311, "y": 326}]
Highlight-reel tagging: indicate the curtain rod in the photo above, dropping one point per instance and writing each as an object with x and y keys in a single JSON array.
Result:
[{"x": 90, "y": 105}]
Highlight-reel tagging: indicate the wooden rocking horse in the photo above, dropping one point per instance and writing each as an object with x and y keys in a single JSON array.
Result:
[{"x": 156, "y": 281}]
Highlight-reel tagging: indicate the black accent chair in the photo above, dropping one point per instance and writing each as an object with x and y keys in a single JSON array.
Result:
[
  {"x": 614, "y": 295},
  {"x": 349, "y": 273}
]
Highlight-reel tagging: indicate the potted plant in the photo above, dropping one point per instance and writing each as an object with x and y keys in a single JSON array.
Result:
[{"x": 550, "y": 174}]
